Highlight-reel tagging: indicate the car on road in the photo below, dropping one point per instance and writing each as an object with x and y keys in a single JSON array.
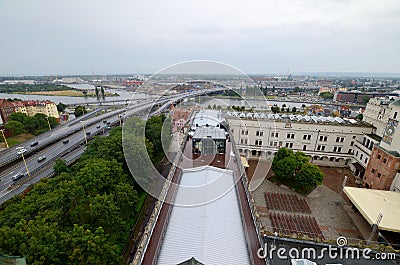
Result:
[
  {"x": 17, "y": 176},
  {"x": 87, "y": 133},
  {"x": 21, "y": 151},
  {"x": 65, "y": 141},
  {"x": 104, "y": 121},
  {"x": 41, "y": 158},
  {"x": 98, "y": 126},
  {"x": 34, "y": 144}
]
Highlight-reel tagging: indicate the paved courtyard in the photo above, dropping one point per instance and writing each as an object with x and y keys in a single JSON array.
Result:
[{"x": 326, "y": 202}]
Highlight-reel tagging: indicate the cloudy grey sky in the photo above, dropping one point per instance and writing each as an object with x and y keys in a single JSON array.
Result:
[{"x": 256, "y": 36}]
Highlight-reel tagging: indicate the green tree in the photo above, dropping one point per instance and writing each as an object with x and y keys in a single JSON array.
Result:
[
  {"x": 61, "y": 107},
  {"x": 17, "y": 116},
  {"x": 79, "y": 111},
  {"x": 295, "y": 170},
  {"x": 309, "y": 175},
  {"x": 14, "y": 127},
  {"x": 60, "y": 166},
  {"x": 326, "y": 95}
]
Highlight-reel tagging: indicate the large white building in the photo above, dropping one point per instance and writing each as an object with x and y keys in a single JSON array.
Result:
[{"x": 327, "y": 140}]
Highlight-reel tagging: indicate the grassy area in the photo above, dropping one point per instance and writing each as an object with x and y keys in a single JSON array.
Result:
[
  {"x": 292, "y": 184},
  {"x": 17, "y": 139},
  {"x": 67, "y": 93}
]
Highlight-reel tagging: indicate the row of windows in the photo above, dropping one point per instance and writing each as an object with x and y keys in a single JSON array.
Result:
[
  {"x": 379, "y": 175},
  {"x": 379, "y": 157}
]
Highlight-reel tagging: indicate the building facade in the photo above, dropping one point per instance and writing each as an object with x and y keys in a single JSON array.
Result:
[
  {"x": 32, "y": 107},
  {"x": 6, "y": 109},
  {"x": 330, "y": 143},
  {"x": 382, "y": 169}
]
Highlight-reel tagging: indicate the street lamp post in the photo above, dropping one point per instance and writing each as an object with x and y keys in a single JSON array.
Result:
[
  {"x": 84, "y": 131},
  {"x": 5, "y": 140},
  {"x": 120, "y": 120},
  {"x": 48, "y": 122},
  {"x": 21, "y": 151}
]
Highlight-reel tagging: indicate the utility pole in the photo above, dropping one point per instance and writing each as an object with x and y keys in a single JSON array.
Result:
[
  {"x": 21, "y": 151},
  {"x": 84, "y": 131},
  {"x": 120, "y": 121},
  {"x": 5, "y": 140},
  {"x": 48, "y": 122}
]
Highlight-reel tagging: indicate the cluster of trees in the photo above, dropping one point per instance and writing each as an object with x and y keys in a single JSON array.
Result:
[
  {"x": 32, "y": 88},
  {"x": 276, "y": 109},
  {"x": 214, "y": 106},
  {"x": 296, "y": 171},
  {"x": 79, "y": 111},
  {"x": 19, "y": 123},
  {"x": 83, "y": 215},
  {"x": 61, "y": 107},
  {"x": 326, "y": 95}
]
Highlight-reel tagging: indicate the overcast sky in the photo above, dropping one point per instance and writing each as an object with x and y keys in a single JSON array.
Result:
[{"x": 256, "y": 36}]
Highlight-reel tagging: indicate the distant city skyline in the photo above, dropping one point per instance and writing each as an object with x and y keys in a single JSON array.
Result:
[{"x": 298, "y": 36}]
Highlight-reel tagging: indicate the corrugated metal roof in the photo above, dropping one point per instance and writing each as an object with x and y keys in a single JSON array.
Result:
[{"x": 212, "y": 233}]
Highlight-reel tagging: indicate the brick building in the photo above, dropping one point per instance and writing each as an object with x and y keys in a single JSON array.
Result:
[{"x": 6, "y": 109}]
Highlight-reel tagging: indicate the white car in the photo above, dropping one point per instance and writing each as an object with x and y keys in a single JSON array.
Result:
[{"x": 21, "y": 151}]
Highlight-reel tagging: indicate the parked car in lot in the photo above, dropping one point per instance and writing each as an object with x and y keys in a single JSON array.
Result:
[
  {"x": 41, "y": 158},
  {"x": 98, "y": 126},
  {"x": 34, "y": 144}
]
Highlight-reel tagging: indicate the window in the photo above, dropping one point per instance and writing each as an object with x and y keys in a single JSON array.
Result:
[
  {"x": 352, "y": 143},
  {"x": 271, "y": 143},
  {"x": 274, "y": 134},
  {"x": 247, "y": 132},
  {"x": 337, "y": 149},
  {"x": 350, "y": 151},
  {"x": 258, "y": 142},
  {"x": 331, "y": 159},
  {"x": 304, "y": 147},
  {"x": 323, "y": 138},
  {"x": 384, "y": 160},
  {"x": 339, "y": 139},
  {"x": 275, "y": 143},
  {"x": 373, "y": 171},
  {"x": 321, "y": 147},
  {"x": 289, "y": 145},
  {"x": 245, "y": 141},
  {"x": 242, "y": 132},
  {"x": 241, "y": 141},
  {"x": 366, "y": 160},
  {"x": 378, "y": 157},
  {"x": 290, "y": 136},
  {"x": 258, "y": 133},
  {"x": 361, "y": 156},
  {"x": 379, "y": 175},
  {"x": 307, "y": 137},
  {"x": 354, "y": 137},
  {"x": 395, "y": 115}
]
